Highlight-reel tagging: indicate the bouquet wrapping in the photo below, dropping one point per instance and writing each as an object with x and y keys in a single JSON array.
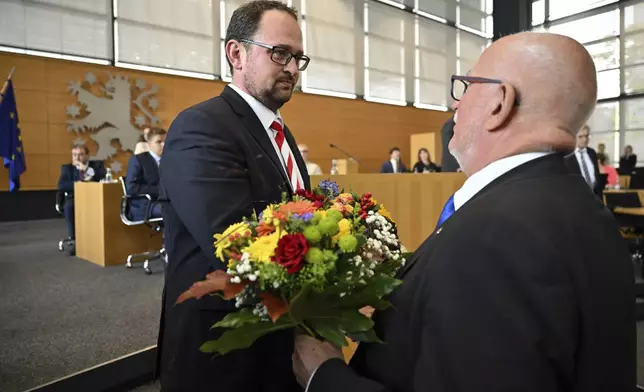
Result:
[{"x": 312, "y": 263}]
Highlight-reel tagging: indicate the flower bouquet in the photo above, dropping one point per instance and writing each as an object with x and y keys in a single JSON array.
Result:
[{"x": 310, "y": 263}]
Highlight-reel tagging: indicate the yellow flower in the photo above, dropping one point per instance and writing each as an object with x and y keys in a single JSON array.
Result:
[
  {"x": 383, "y": 211},
  {"x": 345, "y": 229},
  {"x": 223, "y": 240},
  {"x": 264, "y": 247}
]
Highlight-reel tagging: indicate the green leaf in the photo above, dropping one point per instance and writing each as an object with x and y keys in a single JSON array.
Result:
[
  {"x": 365, "y": 336},
  {"x": 244, "y": 336},
  {"x": 237, "y": 319},
  {"x": 300, "y": 305},
  {"x": 353, "y": 321},
  {"x": 381, "y": 285},
  {"x": 330, "y": 331}
]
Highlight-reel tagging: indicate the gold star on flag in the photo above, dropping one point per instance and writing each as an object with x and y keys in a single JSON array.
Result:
[
  {"x": 12, "y": 115},
  {"x": 19, "y": 149}
]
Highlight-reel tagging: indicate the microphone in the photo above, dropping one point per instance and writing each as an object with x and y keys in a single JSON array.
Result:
[{"x": 351, "y": 157}]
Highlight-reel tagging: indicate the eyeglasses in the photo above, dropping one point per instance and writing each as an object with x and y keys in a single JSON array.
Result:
[
  {"x": 282, "y": 56},
  {"x": 459, "y": 89}
]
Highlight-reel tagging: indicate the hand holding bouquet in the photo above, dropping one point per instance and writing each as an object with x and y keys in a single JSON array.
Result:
[{"x": 310, "y": 263}]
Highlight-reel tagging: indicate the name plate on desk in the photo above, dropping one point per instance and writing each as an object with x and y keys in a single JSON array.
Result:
[{"x": 101, "y": 237}]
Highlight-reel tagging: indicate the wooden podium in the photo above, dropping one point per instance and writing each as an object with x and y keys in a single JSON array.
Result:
[
  {"x": 347, "y": 166},
  {"x": 101, "y": 237}
]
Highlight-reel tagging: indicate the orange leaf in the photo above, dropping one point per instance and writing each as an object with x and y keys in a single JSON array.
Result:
[
  {"x": 217, "y": 281},
  {"x": 276, "y": 307}
]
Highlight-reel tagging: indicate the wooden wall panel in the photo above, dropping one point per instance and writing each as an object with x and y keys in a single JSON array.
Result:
[{"x": 365, "y": 129}]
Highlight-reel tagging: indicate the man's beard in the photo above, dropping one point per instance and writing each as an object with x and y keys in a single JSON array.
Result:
[{"x": 275, "y": 97}]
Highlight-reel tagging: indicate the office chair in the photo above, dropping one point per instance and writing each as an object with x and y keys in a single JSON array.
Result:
[
  {"x": 156, "y": 224},
  {"x": 632, "y": 227},
  {"x": 60, "y": 203}
]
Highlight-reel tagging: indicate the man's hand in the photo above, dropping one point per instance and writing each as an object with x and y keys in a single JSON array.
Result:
[{"x": 309, "y": 355}]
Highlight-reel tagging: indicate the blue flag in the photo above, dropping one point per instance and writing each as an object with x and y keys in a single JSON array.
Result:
[{"x": 10, "y": 140}]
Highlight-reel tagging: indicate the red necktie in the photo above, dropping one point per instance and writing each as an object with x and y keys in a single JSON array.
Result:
[{"x": 286, "y": 154}]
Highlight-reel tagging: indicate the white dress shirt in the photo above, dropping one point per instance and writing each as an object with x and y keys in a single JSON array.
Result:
[
  {"x": 157, "y": 158},
  {"x": 394, "y": 165},
  {"x": 582, "y": 153},
  {"x": 266, "y": 117},
  {"x": 479, "y": 180}
]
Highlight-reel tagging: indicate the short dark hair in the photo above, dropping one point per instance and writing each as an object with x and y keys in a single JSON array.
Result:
[
  {"x": 394, "y": 149},
  {"x": 156, "y": 132},
  {"x": 78, "y": 146},
  {"x": 601, "y": 158},
  {"x": 245, "y": 20}
]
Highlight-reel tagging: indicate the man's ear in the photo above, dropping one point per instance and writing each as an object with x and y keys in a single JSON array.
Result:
[
  {"x": 502, "y": 106},
  {"x": 236, "y": 54}
]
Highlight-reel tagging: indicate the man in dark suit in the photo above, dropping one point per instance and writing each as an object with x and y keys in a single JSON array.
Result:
[
  {"x": 526, "y": 285},
  {"x": 394, "y": 165},
  {"x": 81, "y": 169},
  {"x": 225, "y": 158},
  {"x": 583, "y": 161},
  {"x": 449, "y": 163},
  {"x": 628, "y": 161},
  {"x": 143, "y": 176}
]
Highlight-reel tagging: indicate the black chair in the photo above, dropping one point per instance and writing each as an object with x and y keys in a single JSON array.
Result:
[
  {"x": 60, "y": 205},
  {"x": 156, "y": 224},
  {"x": 632, "y": 226}
]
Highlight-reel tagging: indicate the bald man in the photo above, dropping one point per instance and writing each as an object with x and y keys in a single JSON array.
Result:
[
  {"x": 311, "y": 167},
  {"x": 526, "y": 284}
]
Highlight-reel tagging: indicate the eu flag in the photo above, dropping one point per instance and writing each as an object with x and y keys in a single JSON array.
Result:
[{"x": 10, "y": 139}]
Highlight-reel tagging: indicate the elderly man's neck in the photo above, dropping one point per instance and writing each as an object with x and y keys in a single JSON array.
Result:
[{"x": 522, "y": 141}]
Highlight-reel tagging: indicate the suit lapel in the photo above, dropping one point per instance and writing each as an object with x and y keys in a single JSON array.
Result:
[{"x": 254, "y": 127}]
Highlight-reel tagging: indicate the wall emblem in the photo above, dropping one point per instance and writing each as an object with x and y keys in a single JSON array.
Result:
[{"x": 115, "y": 110}]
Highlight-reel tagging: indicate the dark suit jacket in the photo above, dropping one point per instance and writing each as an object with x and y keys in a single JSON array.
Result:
[
  {"x": 69, "y": 174},
  {"x": 142, "y": 178},
  {"x": 627, "y": 164},
  {"x": 387, "y": 167},
  {"x": 527, "y": 287},
  {"x": 449, "y": 163},
  {"x": 218, "y": 166},
  {"x": 573, "y": 165}
]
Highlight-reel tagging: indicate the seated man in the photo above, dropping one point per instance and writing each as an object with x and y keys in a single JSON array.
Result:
[
  {"x": 81, "y": 169},
  {"x": 143, "y": 176},
  {"x": 394, "y": 165}
]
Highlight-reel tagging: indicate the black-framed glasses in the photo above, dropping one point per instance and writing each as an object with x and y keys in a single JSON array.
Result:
[
  {"x": 282, "y": 56},
  {"x": 461, "y": 83}
]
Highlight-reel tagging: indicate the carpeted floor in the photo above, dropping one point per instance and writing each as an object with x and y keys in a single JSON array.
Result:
[{"x": 60, "y": 314}]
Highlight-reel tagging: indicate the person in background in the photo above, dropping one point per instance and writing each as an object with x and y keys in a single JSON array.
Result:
[
  {"x": 612, "y": 178},
  {"x": 393, "y": 165},
  {"x": 81, "y": 169},
  {"x": 583, "y": 161},
  {"x": 425, "y": 164},
  {"x": 143, "y": 176},
  {"x": 601, "y": 149},
  {"x": 311, "y": 167},
  {"x": 628, "y": 161},
  {"x": 449, "y": 163},
  {"x": 142, "y": 144}
]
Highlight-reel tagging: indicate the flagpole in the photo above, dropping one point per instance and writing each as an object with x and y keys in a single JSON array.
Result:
[{"x": 6, "y": 83}]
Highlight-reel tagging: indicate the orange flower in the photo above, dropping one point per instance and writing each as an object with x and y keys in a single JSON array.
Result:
[
  {"x": 295, "y": 207},
  {"x": 264, "y": 229},
  {"x": 344, "y": 209},
  {"x": 344, "y": 198}
]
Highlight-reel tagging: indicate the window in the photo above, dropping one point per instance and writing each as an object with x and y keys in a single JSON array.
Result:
[
  {"x": 592, "y": 28},
  {"x": 63, "y": 27},
  {"x": 538, "y": 12},
  {"x": 385, "y": 53},
  {"x": 167, "y": 34},
  {"x": 634, "y": 17},
  {"x": 435, "y": 62},
  {"x": 445, "y": 9},
  {"x": 561, "y": 8},
  {"x": 469, "y": 49},
  {"x": 634, "y": 114},
  {"x": 605, "y": 118},
  {"x": 330, "y": 34}
]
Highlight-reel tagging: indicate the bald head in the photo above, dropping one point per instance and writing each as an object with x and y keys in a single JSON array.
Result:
[
  {"x": 548, "y": 91},
  {"x": 554, "y": 76},
  {"x": 304, "y": 151}
]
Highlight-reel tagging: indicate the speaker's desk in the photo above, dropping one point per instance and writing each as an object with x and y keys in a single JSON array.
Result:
[
  {"x": 101, "y": 237},
  {"x": 414, "y": 201}
]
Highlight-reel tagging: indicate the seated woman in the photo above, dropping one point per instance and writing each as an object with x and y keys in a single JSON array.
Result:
[
  {"x": 142, "y": 144},
  {"x": 612, "y": 179},
  {"x": 425, "y": 164}
]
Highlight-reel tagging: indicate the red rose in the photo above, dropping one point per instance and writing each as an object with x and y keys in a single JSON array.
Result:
[
  {"x": 290, "y": 252},
  {"x": 318, "y": 200}
]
